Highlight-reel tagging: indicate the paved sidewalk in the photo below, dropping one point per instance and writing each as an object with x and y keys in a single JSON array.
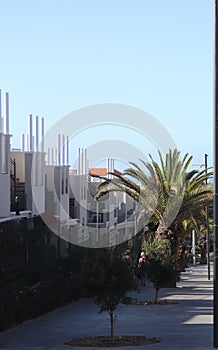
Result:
[{"x": 187, "y": 324}]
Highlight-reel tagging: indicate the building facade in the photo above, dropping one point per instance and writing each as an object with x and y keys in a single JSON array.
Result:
[
  {"x": 4, "y": 156},
  {"x": 30, "y": 170}
]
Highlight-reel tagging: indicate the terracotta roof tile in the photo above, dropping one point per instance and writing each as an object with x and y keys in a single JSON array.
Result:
[{"x": 99, "y": 171}]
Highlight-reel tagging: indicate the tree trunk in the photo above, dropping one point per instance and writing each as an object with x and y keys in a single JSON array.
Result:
[
  {"x": 203, "y": 251},
  {"x": 111, "y": 313},
  {"x": 156, "y": 295}
]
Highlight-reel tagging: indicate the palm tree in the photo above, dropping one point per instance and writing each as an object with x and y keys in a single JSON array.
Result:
[{"x": 166, "y": 192}]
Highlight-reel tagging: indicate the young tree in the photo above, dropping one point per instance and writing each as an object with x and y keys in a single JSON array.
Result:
[
  {"x": 162, "y": 270},
  {"x": 108, "y": 276}
]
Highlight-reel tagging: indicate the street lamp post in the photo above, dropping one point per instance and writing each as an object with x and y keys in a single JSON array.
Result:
[
  {"x": 207, "y": 227},
  {"x": 206, "y": 220},
  {"x": 193, "y": 247},
  {"x": 97, "y": 220},
  {"x": 215, "y": 202}
]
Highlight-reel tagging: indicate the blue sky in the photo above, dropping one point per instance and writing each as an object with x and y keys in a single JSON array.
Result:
[{"x": 58, "y": 56}]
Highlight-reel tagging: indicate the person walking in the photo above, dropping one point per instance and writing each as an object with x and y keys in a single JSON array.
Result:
[{"x": 142, "y": 268}]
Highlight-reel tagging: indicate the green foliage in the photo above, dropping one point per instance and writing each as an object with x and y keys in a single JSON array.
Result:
[
  {"x": 162, "y": 267},
  {"x": 167, "y": 192},
  {"x": 108, "y": 277}
]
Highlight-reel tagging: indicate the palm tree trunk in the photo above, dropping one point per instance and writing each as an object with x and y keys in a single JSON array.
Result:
[{"x": 162, "y": 231}]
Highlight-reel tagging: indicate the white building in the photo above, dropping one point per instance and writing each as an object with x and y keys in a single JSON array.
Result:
[
  {"x": 57, "y": 181},
  {"x": 86, "y": 208},
  {"x": 30, "y": 168},
  {"x": 79, "y": 189},
  {"x": 115, "y": 210},
  {"x": 4, "y": 157},
  {"x": 57, "y": 192},
  {"x": 104, "y": 210}
]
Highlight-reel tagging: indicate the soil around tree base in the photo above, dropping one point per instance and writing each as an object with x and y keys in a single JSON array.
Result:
[
  {"x": 159, "y": 302},
  {"x": 105, "y": 341}
]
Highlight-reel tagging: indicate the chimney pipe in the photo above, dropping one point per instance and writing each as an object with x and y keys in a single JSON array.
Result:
[
  {"x": 6, "y": 113},
  {"x": 22, "y": 142},
  {"x": 1, "y": 124},
  {"x": 59, "y": 149},
  {"x": 37, "y": 133},
  {"x": 56, "y": 156},
  {"x": 52, "y": 156},
  {"x": 33, "y": 143},
  {"x": 42, "y": 134},
  {"x": 86, "y": 168},
  {"x": 78, "y": 157},
  {"x": 108, "y": 165},
  {"x": 28, "y": 142},
  {"x": 67, "y": 150},
  {"x": 63, "y": 149},
  {"x": 48, "y": 156},
  {"x": 82, "y": 161},
  {"x": 31, "y": 132}
]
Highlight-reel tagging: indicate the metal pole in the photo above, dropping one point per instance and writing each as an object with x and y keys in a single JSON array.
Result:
[
  {"x": 59, "y": 241},
  {"x": 97, "y": 221},
  {"x": 193, "y": 247},
  {"x": 215, "y": 203},
  {"x": 207, "y": 225},
  {"x": 15, "y": 180},
  {"x": 27, "y": 254}
]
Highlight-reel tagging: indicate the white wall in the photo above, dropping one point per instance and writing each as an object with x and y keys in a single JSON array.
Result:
[
  {"x": 4, "y": 195},
  {"x": 57, "y": 182},
  {"x": 20, "y": 164},
  {"x": 78, "y": 187},
  {"x": 4, "y": 176},
  {"x": 34, "y": 179}
]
